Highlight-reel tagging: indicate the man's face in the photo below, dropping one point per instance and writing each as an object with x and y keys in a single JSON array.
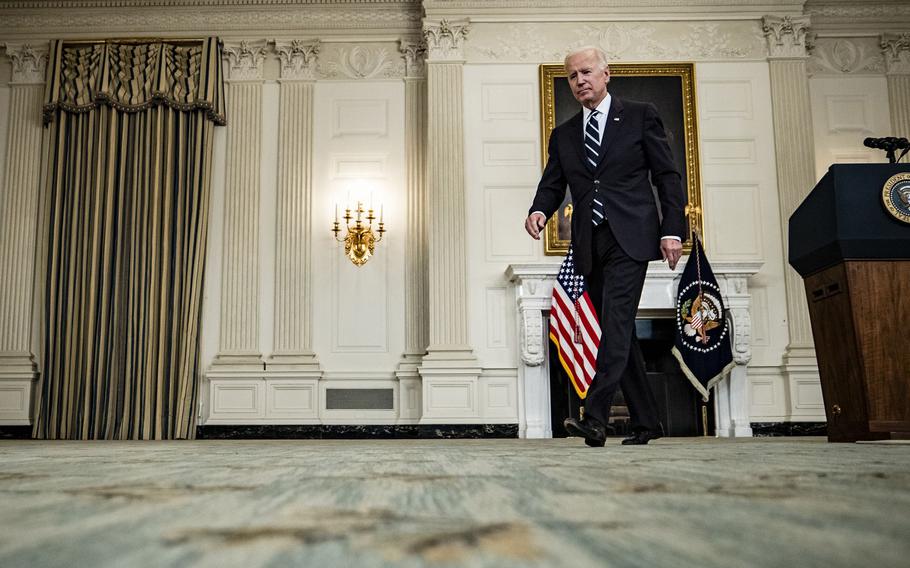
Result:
[{"x": 587, "y": 79}]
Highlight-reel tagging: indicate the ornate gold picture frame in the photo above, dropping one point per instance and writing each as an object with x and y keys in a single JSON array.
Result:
[{"x": 671, "y": 88}]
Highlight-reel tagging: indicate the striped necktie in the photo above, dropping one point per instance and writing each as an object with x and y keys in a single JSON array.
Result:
[{"x": 592, "y": 153}]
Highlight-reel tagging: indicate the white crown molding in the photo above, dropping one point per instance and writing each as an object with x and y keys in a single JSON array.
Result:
[
  {"x": 607, "y": 10},
  {"x": 622, "y": 41},
  {"x": 225, "y": 18},
  {"x": 55, "y": 4},
  {"x": 852, "y": 17}
]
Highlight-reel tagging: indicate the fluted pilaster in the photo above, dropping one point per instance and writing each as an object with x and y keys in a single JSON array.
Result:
[
  {"x": 416, "y": 281},
  {"x": 795, "y": 154},
  {"x": 293, "y": 279},
  {"x": 445, "y": 173},
  {"x": 449, "y": 371},
  {"x": 239, "y": 333},
  {"x": 896, "y": 49},
  {"x": 19, "y": 207}
]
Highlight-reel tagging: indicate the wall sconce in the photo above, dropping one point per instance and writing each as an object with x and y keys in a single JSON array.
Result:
[{"x": 360, "y": 239}]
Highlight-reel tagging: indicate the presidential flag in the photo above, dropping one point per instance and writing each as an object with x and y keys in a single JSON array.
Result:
[
  {"x": 574, "y": 328},
  {"x": 703, "y": 331}
]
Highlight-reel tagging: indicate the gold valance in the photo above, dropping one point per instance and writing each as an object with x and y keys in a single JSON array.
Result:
[{"x": 135, "y": 76}]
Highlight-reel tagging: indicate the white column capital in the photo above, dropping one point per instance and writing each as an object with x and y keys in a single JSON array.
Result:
[
  {"x": 244, "y": 59},
  {"x": 896, "y": 49},
  {"x": 445, "y": 39},
  {"x": 298, "y": 58},
  {"x": 29, "y": 62},
  {"x": 415, "y": 54},
  {"x": 786, "y": 36}
]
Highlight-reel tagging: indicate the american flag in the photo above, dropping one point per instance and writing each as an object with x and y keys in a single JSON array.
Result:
[{"x": 574, "y": 328}]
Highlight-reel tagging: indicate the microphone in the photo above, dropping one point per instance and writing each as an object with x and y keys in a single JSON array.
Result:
[{"x": 890, "y": 144}]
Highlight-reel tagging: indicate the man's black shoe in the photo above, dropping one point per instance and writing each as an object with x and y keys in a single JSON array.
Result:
[
  {"x": 642, "y": 437},
  {"x": 594, "y": 434}
]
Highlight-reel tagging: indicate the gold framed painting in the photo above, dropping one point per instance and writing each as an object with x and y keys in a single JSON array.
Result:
[{"x": 671, "y": 88}]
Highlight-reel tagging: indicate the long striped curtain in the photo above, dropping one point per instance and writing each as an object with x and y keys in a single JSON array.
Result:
[{"x": 126, "y": 210}]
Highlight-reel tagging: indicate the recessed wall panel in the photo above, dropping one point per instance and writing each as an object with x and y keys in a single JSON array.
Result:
[
  {"x": 361, "y": 303},
  {"x": 508, "y": 101},
  {"x": 849, "y": 113},
  {"x": 726, "y": 99},
  {"x": 504, "y": 215},
  {"x": 360, "y": 117},
  {"x": 496, "y": 318},
  {"x": 732, "y": 216},
  {"x": 509, "y": 153},
  {"x": 722, "y": 151}
]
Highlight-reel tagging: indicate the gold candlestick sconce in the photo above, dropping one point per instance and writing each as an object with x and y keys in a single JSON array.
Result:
[{"x": 360, "y": 240}]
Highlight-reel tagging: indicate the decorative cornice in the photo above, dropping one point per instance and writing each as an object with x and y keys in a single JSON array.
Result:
[
  {"x": 29, "y": 63},
  {"x": 245, "y": 60},
  {"x": 531, "y": 42},
  {"x": 49, "y": 4},
  {"x": 786, "y": 36},
  {"x": 549, "y": 11},
  {"x": 896, "y": 50},
  {"x": 298, "y": 58},
  {"x": 445, "y": 39},
  {"x": 852, "y": 17},
  {"x": 415, "y": 53},
  {"x": 233, "y": 19}
]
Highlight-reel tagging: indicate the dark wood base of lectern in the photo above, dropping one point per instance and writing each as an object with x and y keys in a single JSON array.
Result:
[{"x": 860, "y": 313}]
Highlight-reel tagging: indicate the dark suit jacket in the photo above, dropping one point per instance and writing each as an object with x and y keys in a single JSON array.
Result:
[{"x": 634, "y": 154}]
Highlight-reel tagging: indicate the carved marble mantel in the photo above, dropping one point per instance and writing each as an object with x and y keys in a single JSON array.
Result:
[{"x": 533, "y": 284}]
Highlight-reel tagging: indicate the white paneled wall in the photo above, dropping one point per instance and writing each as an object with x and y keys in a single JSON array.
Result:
[
  {"x": 502, "y": 159},
  {"x": 741, "y": 211},
  {"x": 359, "y": 155},
  {"x": 845, "y": 110}
]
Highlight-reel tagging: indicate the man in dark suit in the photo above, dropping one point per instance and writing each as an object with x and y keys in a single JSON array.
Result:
[{"x": 609, "y": 155}]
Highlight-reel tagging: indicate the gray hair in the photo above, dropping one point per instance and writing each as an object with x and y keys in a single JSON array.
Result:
[{"x": 599, "y": 54}]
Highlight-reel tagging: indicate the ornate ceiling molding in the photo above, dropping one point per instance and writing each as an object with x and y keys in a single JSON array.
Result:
[
  {"x": 622, "y": 41},
  {"x": 226, "y": 18},
  {"x": 607, "y": 10},
  {"x": 852, "y": 17},
  {"x": 45, "y": 4}
]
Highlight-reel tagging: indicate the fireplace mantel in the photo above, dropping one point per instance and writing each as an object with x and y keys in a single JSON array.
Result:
[{"x": 533, "y": 284}]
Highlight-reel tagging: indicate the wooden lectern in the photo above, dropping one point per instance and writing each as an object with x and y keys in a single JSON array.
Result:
[{"x": 852, "y": 248}]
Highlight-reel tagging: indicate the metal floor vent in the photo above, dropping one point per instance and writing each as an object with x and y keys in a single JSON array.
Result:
[{"x": 359, "y": 399}]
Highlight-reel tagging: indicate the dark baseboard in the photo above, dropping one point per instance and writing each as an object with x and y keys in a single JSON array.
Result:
[
  {"x": 356, "y": 432},
  {"x": 772, "y": 429},
  {"x": 15, "y": 432}
]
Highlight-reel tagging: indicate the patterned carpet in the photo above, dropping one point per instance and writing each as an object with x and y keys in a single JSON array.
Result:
[{"x": 497, "y": 503}]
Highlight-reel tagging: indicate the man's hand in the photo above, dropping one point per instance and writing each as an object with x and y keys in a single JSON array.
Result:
[
  {"x": 671, "y": 249},
  {"x": 534, "y": 223}
]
